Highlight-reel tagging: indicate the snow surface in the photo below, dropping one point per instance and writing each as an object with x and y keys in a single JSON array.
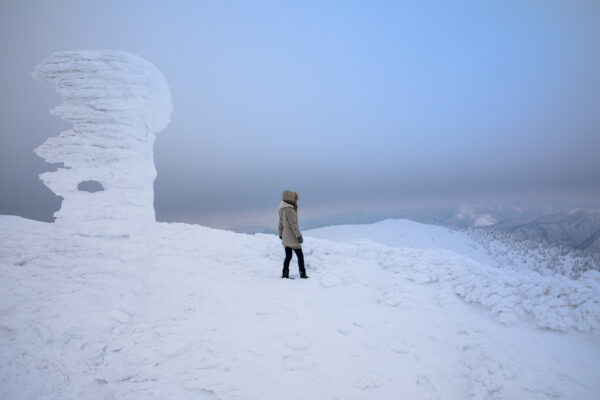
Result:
[
  {"x": 471, "y": 213},
  {"x": 183, "y": 311},
  {"x": 407, "y": 233},
  {"x": 551, "y": 301},
  {"x": 484, "y": 220}
]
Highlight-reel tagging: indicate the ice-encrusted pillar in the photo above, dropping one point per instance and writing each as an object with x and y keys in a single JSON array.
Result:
[{"x": 117, "y": 102}]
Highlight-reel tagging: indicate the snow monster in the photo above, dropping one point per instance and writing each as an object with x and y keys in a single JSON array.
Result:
[{"x": 117, "y": 102}]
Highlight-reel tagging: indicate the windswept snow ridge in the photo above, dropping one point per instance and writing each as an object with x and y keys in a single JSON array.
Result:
[{"x": 117, "y": 102}]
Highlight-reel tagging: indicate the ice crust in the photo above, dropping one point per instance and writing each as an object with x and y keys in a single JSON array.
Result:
[{"x": 116, "y": 102}]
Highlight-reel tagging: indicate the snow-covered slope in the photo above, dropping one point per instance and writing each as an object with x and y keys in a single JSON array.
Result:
[
  {"x": 576, "y": 229},
  {"x": 508, "y": 292},
  {"x": 491, "y": 248},
  {"x": 407, "y": 233},
  {"x": 182, "y": 311}
]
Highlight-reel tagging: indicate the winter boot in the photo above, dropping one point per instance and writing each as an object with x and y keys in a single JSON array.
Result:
[
  {"x": 285, "y": 273},
  {"x": 303, "y": 274}
]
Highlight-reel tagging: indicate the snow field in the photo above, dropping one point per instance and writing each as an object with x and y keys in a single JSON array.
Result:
[
  {"x": 425, "y": 253},
  {"x": 180, "y": 311}
]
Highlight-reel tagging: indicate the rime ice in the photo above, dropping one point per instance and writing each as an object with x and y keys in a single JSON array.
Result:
[{"x": 117, "y": 103}]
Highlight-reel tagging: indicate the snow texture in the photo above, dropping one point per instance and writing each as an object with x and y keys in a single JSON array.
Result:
[
  {"x": 117, "y": 102},
  {"x": 553, "y": 302},
  {"x": 187, "y": 312}
]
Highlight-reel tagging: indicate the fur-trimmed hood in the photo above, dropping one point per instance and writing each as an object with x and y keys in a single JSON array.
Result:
[
  {"x": 289, "y": 196},
  {"x": 283, "y": 204}
]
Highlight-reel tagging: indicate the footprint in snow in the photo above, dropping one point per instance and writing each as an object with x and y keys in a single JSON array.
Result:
[
  {"x": 429, "y": 388},
  {"x": 368, "y": 383},
  {"x": 398, "y": 347},
  {"x": 120, "y": 316}
]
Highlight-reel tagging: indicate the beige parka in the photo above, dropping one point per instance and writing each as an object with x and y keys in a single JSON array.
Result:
[{"x": 289, "y": 232}]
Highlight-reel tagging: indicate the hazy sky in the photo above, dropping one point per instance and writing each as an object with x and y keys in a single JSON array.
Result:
[{"x": 352, "y": 104}]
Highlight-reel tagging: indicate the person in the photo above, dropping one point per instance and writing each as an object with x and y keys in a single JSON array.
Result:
[{"x": 289, "y": 232}]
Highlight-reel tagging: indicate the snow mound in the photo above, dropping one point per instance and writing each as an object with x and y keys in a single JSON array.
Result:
[
  {"x": 428, "y": 254},
  {"x": 117, "y": 102},
  {"x": 552, "y": 302}
]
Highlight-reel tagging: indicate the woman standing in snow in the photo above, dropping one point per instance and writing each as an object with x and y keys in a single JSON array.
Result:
[{"x": 289, "y": 233}]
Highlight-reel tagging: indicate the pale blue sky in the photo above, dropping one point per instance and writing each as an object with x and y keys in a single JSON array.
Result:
[{"x": 348, "y": 103}]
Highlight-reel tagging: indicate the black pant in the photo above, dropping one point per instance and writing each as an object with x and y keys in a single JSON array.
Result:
[{"x": 288, "y": 258}]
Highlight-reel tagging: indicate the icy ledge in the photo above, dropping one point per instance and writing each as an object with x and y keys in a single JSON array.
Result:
[{"x": 117, "y": 102}]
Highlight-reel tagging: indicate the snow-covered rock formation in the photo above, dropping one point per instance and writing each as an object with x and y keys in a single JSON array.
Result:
[{"x": 117, "y": 102}]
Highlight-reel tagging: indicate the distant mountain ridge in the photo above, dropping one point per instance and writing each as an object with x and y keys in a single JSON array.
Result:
[
  {"x": 567, "y": 241},
  {"x": 474, "y": 216},
  {"x": 578, "y": 229}
]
